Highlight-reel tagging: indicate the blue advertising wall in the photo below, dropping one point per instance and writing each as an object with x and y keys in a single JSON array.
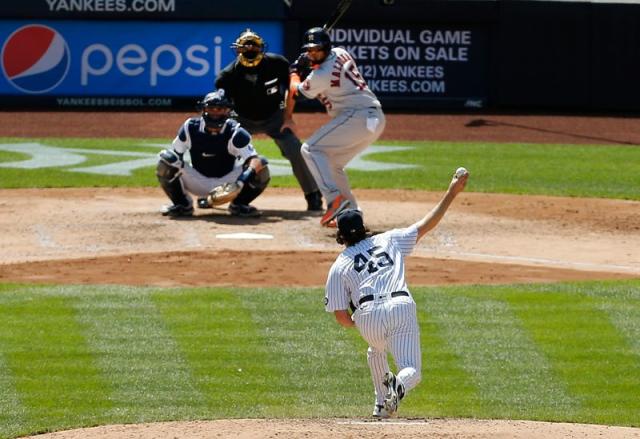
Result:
[
  {"x": 495, "y": 54},
  {"x": 134, "y": 59}
]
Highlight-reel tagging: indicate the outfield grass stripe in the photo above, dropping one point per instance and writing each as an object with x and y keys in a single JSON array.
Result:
[
  {"x": 513, "y": 377},
  {"x": 52, "y": 366},
  {"x": 621, "y": 302},
  {"x": 138, "y": 357},
  {"x": 224, "y": 349},
  {"x": 446, "y": 388},
  {"x": 12, "y": 412},
  {"x": 593, "y": 358},
  {"x": 319, "y": 368}
]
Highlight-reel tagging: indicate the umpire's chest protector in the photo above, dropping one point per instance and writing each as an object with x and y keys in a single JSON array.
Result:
[{"x": 209, "y": 152}]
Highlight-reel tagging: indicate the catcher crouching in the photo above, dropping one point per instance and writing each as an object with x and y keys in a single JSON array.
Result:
[{"x": 224, "y": 167}]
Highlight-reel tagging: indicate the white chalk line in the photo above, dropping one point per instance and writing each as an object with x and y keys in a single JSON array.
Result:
[
  {"x": 545, "y": 261},
  {"x": 383, "y": 422}
]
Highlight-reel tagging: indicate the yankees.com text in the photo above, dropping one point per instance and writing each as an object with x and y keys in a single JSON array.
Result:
[
  {"x": 111, "y": 5},
  {"x": 403, "y": 86}
]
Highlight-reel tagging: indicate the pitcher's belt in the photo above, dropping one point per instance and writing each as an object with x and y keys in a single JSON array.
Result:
[{"x": 370, "y": 297}]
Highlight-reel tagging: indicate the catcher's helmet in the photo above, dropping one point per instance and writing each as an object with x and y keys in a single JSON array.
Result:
[
  {"x": 316, "y": 37},
  {"x": 249, "y": 47},
  {"x": 216, "y": 108}
]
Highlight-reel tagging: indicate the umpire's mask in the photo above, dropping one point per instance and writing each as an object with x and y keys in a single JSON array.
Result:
[{"x": 249, "y": 47}]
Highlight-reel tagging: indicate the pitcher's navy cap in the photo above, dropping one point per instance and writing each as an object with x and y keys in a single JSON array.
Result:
[{"x": 350, "y": 221}]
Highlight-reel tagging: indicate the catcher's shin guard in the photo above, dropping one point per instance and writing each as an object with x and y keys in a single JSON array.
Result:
[
  {"x": 254, "y": 186},
  {"x": 169, "y": 178}
]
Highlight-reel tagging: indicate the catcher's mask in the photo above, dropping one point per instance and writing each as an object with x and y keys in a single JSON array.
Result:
[
  {"x": 249, "y": 47},
  {"x": 216, "y": 109}
]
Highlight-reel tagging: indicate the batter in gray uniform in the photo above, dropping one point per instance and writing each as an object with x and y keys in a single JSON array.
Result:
[
  {"x": 368, "y": 277},
  {"x": 357, "y": 117}
]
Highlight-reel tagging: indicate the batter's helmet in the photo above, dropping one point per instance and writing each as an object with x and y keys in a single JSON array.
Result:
[
  {"x": 316, "y": 37},
  {"x": 215, "y": 99},
  {"x": 249, "y": 47}
]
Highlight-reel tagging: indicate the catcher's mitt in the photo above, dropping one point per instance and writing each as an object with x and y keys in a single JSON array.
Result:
[{"x": 224, "y": 193}]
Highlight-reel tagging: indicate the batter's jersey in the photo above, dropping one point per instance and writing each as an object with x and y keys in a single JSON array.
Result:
[
  {"x": 372, "y": 266},
  {"x": 338, "y": 84},
  {"x": 214, "y": 155},
  {"x": 259, "y": 91}
]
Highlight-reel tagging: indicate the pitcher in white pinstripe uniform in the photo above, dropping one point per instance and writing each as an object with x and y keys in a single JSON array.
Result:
[{"x": 368, "y": 278}]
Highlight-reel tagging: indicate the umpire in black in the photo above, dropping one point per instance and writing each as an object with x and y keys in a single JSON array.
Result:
[{"x": 257, "y": 82}]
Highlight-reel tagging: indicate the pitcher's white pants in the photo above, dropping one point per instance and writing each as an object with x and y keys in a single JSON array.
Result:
[{"x": 391, "y": 326}]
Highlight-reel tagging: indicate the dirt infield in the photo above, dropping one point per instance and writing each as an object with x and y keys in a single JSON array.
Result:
[{"x": 116, "y": 236}]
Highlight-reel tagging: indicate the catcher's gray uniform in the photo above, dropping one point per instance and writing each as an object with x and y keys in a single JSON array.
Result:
[
  {"x": 370, "y": 274},
  {"x": 357, "y": 122}
]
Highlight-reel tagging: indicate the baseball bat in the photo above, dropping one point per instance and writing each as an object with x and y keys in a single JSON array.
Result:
[{"x": 342, "y": 7}]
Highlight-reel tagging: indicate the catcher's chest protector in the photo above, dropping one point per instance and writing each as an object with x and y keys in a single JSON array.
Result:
[{"x": 209, "y": 153}]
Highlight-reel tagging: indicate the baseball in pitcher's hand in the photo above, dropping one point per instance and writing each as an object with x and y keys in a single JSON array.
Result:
[{"x": 458, "y": 183}]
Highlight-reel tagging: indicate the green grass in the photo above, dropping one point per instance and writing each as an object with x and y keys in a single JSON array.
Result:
[
  {"x": 74, "y": 356},
  {"x": 562, "y": 170},
  {"x": 559, "y": 170}
]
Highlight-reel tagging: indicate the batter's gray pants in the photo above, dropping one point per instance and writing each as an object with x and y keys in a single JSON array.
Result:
[
  {"x": 289, "y": 145},
  {"x": 329, "y": 150}
]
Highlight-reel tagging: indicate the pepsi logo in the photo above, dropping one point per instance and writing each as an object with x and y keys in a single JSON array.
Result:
[{"x": 35, "y": 59}]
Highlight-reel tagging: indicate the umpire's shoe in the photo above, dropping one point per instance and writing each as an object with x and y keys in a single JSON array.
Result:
[
  {"x": 177, "y": 210},
  {"x": 243, "y": 210},
  {"x": 314, "y": 201},
  {"x": 395, "y": 392}
]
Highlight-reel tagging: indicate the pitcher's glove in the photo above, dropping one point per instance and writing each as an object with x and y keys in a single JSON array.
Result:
[{"x": 224, "y": 193}]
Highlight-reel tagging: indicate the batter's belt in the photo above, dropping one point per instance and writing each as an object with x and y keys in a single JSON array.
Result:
[{"x": 370, "y": 297}]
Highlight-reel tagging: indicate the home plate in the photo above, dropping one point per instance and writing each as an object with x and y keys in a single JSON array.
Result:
[{"x": 243, "y": 235}]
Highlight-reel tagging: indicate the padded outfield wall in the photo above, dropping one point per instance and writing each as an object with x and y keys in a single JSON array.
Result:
[{"x": 415, "y": 54}]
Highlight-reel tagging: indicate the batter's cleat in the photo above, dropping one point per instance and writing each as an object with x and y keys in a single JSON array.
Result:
[
  {"x": 177, "y": 210},
  {"x": 243, "y": 210},
  {"x": 339, "y": 204},
  {"x": 314, "y": 201},
  {"x": 333, "y": 224},
  {"x": 379, "y": 412},
  {"x": 203, "y": 203},
  {"x": 395, "y": 392}
]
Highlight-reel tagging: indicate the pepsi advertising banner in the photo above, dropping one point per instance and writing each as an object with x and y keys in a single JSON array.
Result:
[{"x": 84, "y": 63}]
